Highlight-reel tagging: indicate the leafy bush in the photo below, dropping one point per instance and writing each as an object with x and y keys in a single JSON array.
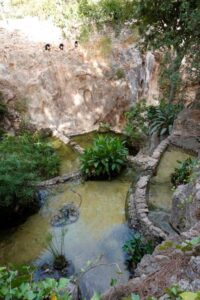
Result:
[
  {"x": 23, "y": 160},
  {"x": 161, "y": 118},
  {"x": 105, "y": 158},
  {"x": 3, "y": 108},
  {"x": 142, "y": 120},
  {"x": 182, "y": 174},
  {"x": 120, "y": 73},
  {"x": 15, "y": 284},
  {"x": 136, "y": 248},
  {"x": 107, "y": 11},
  {"x": 136, "y": 123}
]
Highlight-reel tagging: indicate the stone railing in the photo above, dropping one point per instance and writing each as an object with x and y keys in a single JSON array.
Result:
[{"x": 137, "y": 199}]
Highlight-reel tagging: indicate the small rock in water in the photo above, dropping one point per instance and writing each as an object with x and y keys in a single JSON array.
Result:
[
  {"x": 68, "y": 214},
  {"x": 41, "y": 196}
]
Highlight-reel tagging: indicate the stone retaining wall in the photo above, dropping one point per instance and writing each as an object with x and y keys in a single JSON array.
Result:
[{"x": 137, "y": 199}]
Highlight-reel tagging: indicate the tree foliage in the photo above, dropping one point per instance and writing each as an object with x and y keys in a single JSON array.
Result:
[
  {"x": 142, "y": 120},
  {"x": 114, "y": 12},
  {"x": 172, "y": 24},
  {"x": 23, "y": 160}
]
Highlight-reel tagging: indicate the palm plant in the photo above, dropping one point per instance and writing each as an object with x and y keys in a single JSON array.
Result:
[{"x": 161, "y": 118}]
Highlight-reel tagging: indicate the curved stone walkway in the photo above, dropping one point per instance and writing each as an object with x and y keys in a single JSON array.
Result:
[{"x": 137, "y": 200}]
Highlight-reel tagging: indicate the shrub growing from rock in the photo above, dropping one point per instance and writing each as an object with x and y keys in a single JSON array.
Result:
[
  {"x": 182, "y": 174},
  {"x": 161, "y": 118},
  {"x": 105, "y": 158},
  {"x": 136, "y": 248},
  {"x": 23, "y": 160}
]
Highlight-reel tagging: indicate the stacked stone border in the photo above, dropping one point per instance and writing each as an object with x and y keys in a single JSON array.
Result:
[{"x": 137, "y": 198}]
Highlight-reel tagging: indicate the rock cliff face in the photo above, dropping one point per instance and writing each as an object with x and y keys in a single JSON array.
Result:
[
  {"x": 186, "y": 130},
  {"x": 66, "y": 89},
  {"x": 186, "y": 205}
]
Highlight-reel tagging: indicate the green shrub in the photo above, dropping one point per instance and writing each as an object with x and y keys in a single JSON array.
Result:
[
  {"x": 120, "y": 73},
  {"x": 23, "y": 160},
  {"x": 136, "y": 123},
  {"x": 161, "y": 118},
  {"x": 182, "y": 174},
  {"x": 3, "y": 108},
  {"x": 17, "y": 284},
  {"x": 136, "y": 248},
  {"x": 114, "y": 12},
  {"x": 105, "y": 158}
]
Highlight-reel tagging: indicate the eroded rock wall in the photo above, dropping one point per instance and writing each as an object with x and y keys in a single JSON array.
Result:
[{"x": 68, "y": 90}]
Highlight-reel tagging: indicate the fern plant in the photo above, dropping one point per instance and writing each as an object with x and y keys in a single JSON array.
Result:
[{"x": 105, "y": 158}]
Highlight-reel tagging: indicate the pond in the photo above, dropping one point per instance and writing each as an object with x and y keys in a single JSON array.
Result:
[
  {"x": 160, "y": 189},
  {"x": 100, "y": 231},
  {"x": 85, "y": 140}
]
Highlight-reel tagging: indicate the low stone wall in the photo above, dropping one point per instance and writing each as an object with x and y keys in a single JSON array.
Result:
[
  {"x": 59, "y": 179},
  {"x": 137, "y": 199}
]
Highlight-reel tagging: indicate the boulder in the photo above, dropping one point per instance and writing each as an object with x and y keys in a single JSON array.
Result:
[
  {"x": 186, "y": 206},
  {"x": 186, "y": 130}
]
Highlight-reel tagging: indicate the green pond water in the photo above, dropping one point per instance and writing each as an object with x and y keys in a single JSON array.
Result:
[
  {"x": 86, "y": 140},
  {"x": 69, "y": 158},
  {"x": 101, "y": 229},
  {"x": 160, "y": 193}
]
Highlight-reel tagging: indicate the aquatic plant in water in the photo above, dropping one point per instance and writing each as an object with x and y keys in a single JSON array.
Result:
[
  {"x": 56, "y": 248},
  {"x": 105, "y": 158}
]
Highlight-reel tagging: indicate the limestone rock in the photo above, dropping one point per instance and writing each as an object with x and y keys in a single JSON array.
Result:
[
  {"x": 186, "y": 206},
  {"x": 186, "y": 130},
  {"x": 67, "y": 90}
]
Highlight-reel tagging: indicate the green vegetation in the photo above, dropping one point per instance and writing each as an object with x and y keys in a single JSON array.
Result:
[
  {"x": 57, "y": 250},
  {"x": 3, "y": 110},
  {"x": 3, "y": 113},
  {"x": 186, "y": 245},
  {"x": 120, "y": 73},
  {"x": 172, "y": 25},
  {"x": 182, "y": 174},
  {"x": 136, "y": 248},
  {"x": 142, "y": 120},
  {"x": 173, "y": 293},
  {"x": 105, "y": 158},
  {"x": 104, "y": 46},
  {"x": 136, "y": 123},
  {"x": 161, "y": 118},
  {"x": 18, "y": 284},
  {"x": 23, "y": 160},
  {"x": 114, "y": 12}
]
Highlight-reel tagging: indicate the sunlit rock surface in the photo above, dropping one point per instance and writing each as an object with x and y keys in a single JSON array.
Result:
[{"x": 70, "y": 90}]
